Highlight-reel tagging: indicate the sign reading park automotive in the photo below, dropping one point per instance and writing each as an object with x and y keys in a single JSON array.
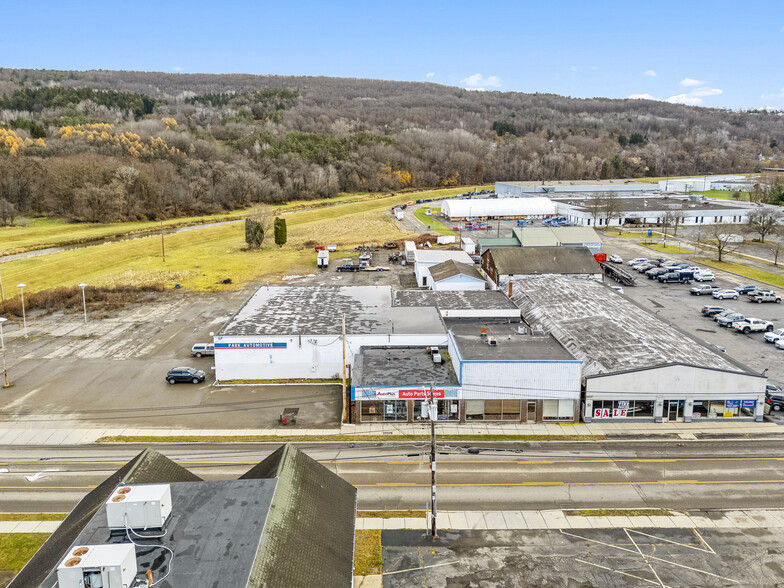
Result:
[{"x": 256, "y": 345}]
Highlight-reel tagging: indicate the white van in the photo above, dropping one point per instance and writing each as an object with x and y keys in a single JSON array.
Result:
[{"x": 203, "y": 349}]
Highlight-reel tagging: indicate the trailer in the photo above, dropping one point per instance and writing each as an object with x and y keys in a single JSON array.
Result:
[
  {"x": 618, "y": 274},
  {"x": 446, "y": 239},
  {"x": 410, "y": 248},
  {"x": 399, "y": 214},
  {"x": 322, "y": 260}
]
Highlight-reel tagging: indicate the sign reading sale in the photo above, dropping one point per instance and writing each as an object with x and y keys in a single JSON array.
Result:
[{"x": 606, "y": 413}]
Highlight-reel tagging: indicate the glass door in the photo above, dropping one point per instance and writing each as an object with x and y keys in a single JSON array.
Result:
[{"x": 673, "y": 410}]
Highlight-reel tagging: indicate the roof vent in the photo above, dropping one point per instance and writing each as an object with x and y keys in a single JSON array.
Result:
[
  {"x": 146, "y": 506},
  {"x": 492, "y": 341},
  {"x": 105, "y": 566},
  {"x": 483, "y": 332}
]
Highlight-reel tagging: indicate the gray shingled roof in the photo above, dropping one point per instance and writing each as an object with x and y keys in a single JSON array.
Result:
[
  {"x": 308, "y": 539},
  {"x": 149, "y": 467},
  {"x": 520, "y": 261},
  {"x": 451, "y": 268}
]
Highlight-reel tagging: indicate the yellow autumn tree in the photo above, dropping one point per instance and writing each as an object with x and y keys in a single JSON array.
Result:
[{"x": 169, "y": 122}]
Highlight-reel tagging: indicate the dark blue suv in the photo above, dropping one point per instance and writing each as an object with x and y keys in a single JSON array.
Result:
[{"x": 185, "y": 374}]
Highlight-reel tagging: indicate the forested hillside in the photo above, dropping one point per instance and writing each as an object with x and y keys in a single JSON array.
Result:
[{"x": 111, "y": 145}]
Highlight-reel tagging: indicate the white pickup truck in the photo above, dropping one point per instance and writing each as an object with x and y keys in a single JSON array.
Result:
[
  {"x": 752, "y": 324},
  {"x": 764, "y": 296}
]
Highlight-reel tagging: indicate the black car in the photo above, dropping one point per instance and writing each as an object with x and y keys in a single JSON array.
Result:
[
  {"x": 348, "y": 267},
  {"x": 776, "y": 401},
  {"x": 185, "y": 374}
]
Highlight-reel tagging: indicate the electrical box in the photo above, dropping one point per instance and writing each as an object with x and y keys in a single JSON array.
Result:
[
  {"x": 98, "y": 566},
  {"x": 144, "y": 506}
]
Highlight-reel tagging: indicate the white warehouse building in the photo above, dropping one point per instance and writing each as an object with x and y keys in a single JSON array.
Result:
[
  {"x": 285, "y": 332},
  {"x": 534, "y": 207}
]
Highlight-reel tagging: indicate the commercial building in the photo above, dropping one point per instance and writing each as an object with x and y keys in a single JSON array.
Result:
[
  {"x": 502, "y": 263},
  {"x": 467, "y": 304},
  {"x": 453, "y": 275},
  {"x": 651, "y": 210},
  {"x": 534, "y": 207},
  {"x": 547, "y": 237},
  {"x": 286, "y": 332},
  {"x": 635, "y": 365},
  {"x": 625, "y": 188},
  {"x": 287, "y": 522},
  {"x": 424, "y": 259}
]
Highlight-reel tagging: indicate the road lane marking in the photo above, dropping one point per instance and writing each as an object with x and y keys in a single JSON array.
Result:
[{"x": 617, "y": 571}]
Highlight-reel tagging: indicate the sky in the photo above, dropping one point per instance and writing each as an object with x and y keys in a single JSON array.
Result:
[{"x": 718, "y": 53}]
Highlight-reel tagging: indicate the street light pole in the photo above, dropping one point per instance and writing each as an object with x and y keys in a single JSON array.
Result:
[
  {"x": 2, "y": 342},
  {"x": 84, "y": 302},
  {"x": 24, "y": 317}
]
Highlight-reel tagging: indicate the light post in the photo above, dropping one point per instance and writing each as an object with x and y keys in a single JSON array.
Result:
[
  {"x": 24, "y": 317},
  {"x": 84, "y": 302},
  {"x": 2, "y": 342}
]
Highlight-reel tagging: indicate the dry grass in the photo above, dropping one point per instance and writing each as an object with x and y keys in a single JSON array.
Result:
[
  {"x": 619, "y": 512},
  {"x": 367, "y": 552},
  {"x": 32, "y": 516},
  {"x": 669, "y": 248},
  {"x": 391, "y": 514}
]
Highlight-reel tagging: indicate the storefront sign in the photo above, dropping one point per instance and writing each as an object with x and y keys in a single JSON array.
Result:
[
  {"x": 404, "y": 394},
  {"x": 607, "y": 413},
  {"x": 732, "y": 404},
  {"x": 250, "y": 346},
  {"x": 748, "y": 404},
  {"x": 360, "y": 393}
]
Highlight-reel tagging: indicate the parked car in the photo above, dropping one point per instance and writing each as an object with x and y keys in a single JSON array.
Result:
[
  {"x": 752, "y": 324},
  {"x": 776, "y": 401},
  {"x": 348, "y": 267},
  {"x": 700, "y": 290},
  {"x": 637, "y": 260},
  {"x": 724, "y": 294},
  {"x": 774, "y": 335},
  {"x": 203, "y": 349},
  {"x": 704, "y": 276},
  {"x": 723, "y": 313},
  {"x": 672, "y": 277},
  {"x": 712, "y": 310},
  {"x": 655, "y": 272},
  {"x": 645, "y": 267},
  {"x": 761, "y": 296},
  {"x": 728, "y": 319},
  {"x": 745, "y": 288},
  {"x": 779, "y": 343},
  {"x": 615, "y": 258},
  {"x": 185, "y": 374}
]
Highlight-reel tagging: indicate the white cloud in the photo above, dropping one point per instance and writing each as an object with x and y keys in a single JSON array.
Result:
[
  {"x": 644, "y": 96},
  {"x": 773, "y": 96},
  {"x": 478, "y": 82},
  {"x": 573, "y": 68},
  {"x": 430, "y": 75},
  {"x": 650, "y": 73},
  {"x": 684, "y": 99},
  {"x": 706, "y": 92},
  {"x": 688, "y": 82},
  {"x": 176, "y": 68}
]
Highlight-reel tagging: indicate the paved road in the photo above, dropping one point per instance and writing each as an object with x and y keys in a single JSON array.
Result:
[{"x": 704, "y": 475}]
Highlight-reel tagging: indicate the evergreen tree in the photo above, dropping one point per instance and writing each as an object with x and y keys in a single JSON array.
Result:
[{"x": 280, "y": 231}]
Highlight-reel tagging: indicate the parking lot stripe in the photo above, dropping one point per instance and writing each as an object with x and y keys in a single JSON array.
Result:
[{"x": 618, "y": 572}]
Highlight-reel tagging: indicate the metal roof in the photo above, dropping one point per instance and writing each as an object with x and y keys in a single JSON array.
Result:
[
  {"x": 454, "y": 299},
  {"x": 608, "y": 332},
  {"x": 516, "y": 261},
  {"x": 479, "y": 207},
  {"x": 451, "y": 268},
  {"x": 572, "y": 235},
  {"x": 433, "y": 256},
  {"x": 535, "y": 237}
]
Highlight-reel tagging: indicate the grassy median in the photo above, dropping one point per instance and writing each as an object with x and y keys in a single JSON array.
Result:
[{"x": 746, "y": 272}]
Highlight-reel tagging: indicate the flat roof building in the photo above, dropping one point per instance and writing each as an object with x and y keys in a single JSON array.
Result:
[
  {"x": 453, "y": 275},
  {"x": 424, "y": 259},
  {"x": 495, "y": 208},
  {"x": 486, "y": 304},
  {"x": 501, "y": 263}
]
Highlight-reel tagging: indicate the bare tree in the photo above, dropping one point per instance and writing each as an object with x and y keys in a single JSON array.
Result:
[
  {"x": 775, "y": 247},
  {"x": 604, "y": 207},
  {"x": 764, "y": 221},
  {"x": 723, "y": 239},
  {"x": 257, "y": 226}
]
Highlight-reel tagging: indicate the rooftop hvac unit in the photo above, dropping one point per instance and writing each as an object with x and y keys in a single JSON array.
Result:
[
  {"x": 139, "y": 507},
  {"x": 492, "y": 341},
  {"x": 521, "y": 330},
  {"x": 98, "y": 566},
  {"x": 437, "y": 358}
]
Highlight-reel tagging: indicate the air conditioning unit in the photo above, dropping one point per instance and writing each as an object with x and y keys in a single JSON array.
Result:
[
  {"x": 437, "y": 358},
  {"x": 146, "y": 506},
  {"x": 492, "y": 341},
  {"x": 98, "y": 566}
]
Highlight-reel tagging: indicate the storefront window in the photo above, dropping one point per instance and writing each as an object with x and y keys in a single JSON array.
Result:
[
  {"x": 622, "y": 409},
  {"x": 558, "y": 410},
  {"x": 448, "y": 410},
  {"x": 722, "y": 409},
  {"x": 383, "y": 410},
  {"x": 492, "y": 410}
]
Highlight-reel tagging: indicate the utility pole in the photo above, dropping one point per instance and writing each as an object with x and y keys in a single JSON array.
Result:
[
  {"x": 343, "y": 414},
  {"x": 163, "y": 249},
  {"x": 433, "y": 412}
]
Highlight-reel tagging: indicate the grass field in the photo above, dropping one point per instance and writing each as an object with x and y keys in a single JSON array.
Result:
[
  {"x": 625, "y": 234},
  {"x": 724, "y": 195},
  {"x": 669, "y": 248},
  {"x": 751, "y": 273},
  {"x": 16, "y": 549},
  {"x": 435, "y": 225},
  {"x": 200, "y": 260}
]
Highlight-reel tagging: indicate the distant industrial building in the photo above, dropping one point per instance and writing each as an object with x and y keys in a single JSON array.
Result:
[
  {"x": 500, "y": 264},
  {"x": 287, "y": 522},
  {"x": 636, "y": 366},
  {"x": 498, "y": 208},
  {"x": 505, "y": 190}
]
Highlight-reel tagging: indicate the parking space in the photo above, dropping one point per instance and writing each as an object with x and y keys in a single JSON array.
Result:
[{"x": 584, "y": 557}]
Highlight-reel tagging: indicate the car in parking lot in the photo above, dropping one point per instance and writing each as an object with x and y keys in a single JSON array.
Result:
[
  {"x": 775, "y": 401},
  {"x": 636, "y": 260},
  {"x": 774, "y": 335},
  {"x": 655, "y": 272},
  {"x": 748, "y": 325},
  {"x": 711, "y": 310},
  {"x": 348, "y": 267},
  {"x": 615, "y": 258},
  {"x": 760, "y": 296},
  {"x": 745, "y": 288},
  {"x": 185, "y": 374},
  {"x": 645, "y": 267},
  {"x": 700, "y": 290},
  {"x": 704, "y": 276},
  {"x": 779, "y": 343},
  {"x": 203, "y": 349},
  {"x": 725, "y": 320},
  {"x": 724, "y": 294}
]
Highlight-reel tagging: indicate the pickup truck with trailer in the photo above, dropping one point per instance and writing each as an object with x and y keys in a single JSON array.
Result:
[
  {"x": 348, "y": 267},
  {"x": 752, "y": 324},
  {"x": 764, "y": 296}
]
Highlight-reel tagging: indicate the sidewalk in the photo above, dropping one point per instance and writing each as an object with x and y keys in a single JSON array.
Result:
[
  {"x": 557, "y": 519},
  {"x": 21, "y": 434}
]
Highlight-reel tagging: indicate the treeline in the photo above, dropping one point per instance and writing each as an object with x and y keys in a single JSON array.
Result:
[{"x": 154, "y": 145}]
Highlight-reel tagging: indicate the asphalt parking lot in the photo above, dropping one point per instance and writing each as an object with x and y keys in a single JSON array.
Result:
[{"x": 572, "y": 558}]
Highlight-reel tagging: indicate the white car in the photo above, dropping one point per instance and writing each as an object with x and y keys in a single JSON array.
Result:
[
  {"x": 723, "y": 294},
  {"x": 773, "y": 336},
  {"x": 780, "y": 343},
  {"x": 637, "y": 260},
  {"x": 704, "y": 276},
  {"x": 615, "y": 258},
  {"x": 752, "y": 324}
]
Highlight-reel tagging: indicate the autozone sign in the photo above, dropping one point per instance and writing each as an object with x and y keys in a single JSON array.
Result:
[{"x": 608, "y": 413}]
